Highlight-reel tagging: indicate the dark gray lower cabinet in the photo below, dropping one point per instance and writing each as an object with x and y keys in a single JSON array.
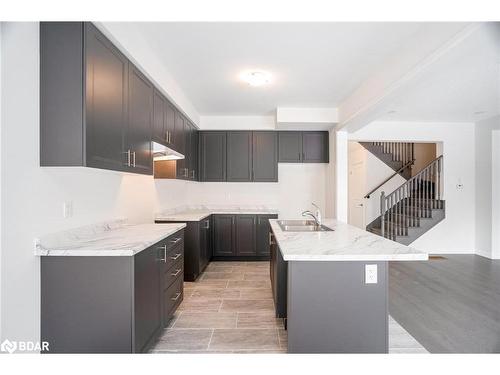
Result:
[
  {"x": 197, "y": 247},
  {"x": 279, "y": 275},
  {"x": 245, "y": 235},
  {"x": 223, "y": 235},
  {"x": 109, "y": 304},
  {"x": 263, "y": 230},
  {"x": 241, "y": 236}
]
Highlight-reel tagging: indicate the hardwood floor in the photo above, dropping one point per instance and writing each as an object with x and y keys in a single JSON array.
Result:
[
  {"x": 449, "y": 305},
  {"x": 229, "y": 309}
]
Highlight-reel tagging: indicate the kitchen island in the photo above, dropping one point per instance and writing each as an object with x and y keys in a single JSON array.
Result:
[{"x": 337, "y": 287}]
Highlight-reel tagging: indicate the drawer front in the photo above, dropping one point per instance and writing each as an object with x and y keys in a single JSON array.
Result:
[
  {"x": 174, "y": 254},
  {"x": 174, "y": 272},
  {"x": 175, "y": 239},
  {"x": 172, "y": 297}
]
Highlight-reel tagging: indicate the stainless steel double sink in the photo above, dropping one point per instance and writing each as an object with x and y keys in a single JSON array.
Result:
[{"x": 302, "y": 226}]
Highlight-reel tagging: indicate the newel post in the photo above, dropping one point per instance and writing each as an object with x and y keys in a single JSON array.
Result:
[{"x": 382, "y": 213}]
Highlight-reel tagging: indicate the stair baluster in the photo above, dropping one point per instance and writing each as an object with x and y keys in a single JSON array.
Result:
[{"x": 409, "y": 203}]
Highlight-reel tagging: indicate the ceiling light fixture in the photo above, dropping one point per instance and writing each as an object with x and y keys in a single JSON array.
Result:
[{"x": 256, "y": 78}]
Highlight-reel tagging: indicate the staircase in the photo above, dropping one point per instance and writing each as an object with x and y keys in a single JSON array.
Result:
[
  {"x": 415, "y": 206},
  {"x": 397, "y": 155}
]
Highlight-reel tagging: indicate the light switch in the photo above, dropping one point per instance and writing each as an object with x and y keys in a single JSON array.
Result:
[
  {"x": 67, "y": 209},
  {"x": 371, "y": 274}
]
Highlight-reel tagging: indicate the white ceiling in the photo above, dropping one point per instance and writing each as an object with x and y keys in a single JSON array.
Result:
[
  {"x": 463, "y": 81},
  {"x": 314, "y": 64}
]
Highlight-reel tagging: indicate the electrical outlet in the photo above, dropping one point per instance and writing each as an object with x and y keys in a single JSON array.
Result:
[
  {"x": 67, "y": 209},
  {"x": 371, "y": 274}
]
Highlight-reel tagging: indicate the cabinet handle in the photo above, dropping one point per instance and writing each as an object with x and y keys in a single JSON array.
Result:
[
  {"x": 271, "y": 239},
  {"x": 176, "y": 256},
  {"x": 176, "y": 272},
  {"x": 164, "y": 248},
  {"x": 133, "y": 159},
  {"x": 178, "y": 294},
  {"x": 207, "y": 226},
  {"x": 169, "y": 137},
  {"x": 176, "y": 240},
  {"x": 128, "y": 158}
]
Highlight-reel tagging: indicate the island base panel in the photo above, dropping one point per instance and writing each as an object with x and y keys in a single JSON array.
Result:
[{"x": 332, "y": 310}]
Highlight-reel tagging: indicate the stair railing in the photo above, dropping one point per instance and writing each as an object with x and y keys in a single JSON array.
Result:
[
  {"x": 400, "y": 151},
  {"x": 413, "y": 200}
]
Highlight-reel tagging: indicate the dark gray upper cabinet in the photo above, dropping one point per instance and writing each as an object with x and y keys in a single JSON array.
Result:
[
  {"x": 194, "y": 175},
  {"x": 315, "y": 147},
  {"x": 290, "y": 147},
  {"x": 106, "y": 82},
  {"x": 96, "y": 108},
  {"x": 170, "y": 125},
  {"x": 239, "y": 156},
  {"x": 212, "y": 156},
  {"x": 83, "y": 97},
  {"x": 223, "y": 235},
  {"x": 265, "y": 156},
  {"x": 138, "y": 136},
  {"x": 303, "y": 147},
  {"x": 245, "y": 235},
  {"x": 263, "y": 230},
  {"x": 159, "y": 118},
  {"x": 180, "y": 144}
]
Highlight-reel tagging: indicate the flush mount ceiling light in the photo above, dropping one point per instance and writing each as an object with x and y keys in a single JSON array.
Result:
[{"x": 256, "y": 77}]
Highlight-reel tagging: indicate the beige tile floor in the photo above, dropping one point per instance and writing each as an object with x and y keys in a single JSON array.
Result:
[{"x": 230, "y": 309}]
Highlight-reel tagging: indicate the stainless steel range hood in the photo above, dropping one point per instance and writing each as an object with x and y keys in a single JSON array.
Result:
[{"x": 161, "y": 152}]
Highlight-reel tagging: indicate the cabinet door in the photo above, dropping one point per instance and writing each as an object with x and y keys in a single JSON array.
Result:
[
  {"x": 223, "y": 235},
  {"x": 179, "y": 140},
  {"x": 159, "y": 118},
  {"x": 265, "y": 156},
  {"x": 245, "y": 235},
  {"x": 239, "y": 156},
  {"x": 194, "y": 154},
  {"x": 290, "y": 147},
  {"x": 147, "y": 295},
  {"x": 180, "y": 143},
  {"x": 263, "y": 229},
  {"x": 106, "y": 101},
  {"x": 212, "y": 156},
  {"x": 170, "y": 124},
  {"x": 140, "y": 122},
  {"x": 205, "y": 230},
  {"x": 315, "y": 147}
]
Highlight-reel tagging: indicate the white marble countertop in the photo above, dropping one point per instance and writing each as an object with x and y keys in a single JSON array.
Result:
[
  {"x": 197, "y": 214},
  {"x": 344, "y": 243},
  {"x": 115, "y": 238}
]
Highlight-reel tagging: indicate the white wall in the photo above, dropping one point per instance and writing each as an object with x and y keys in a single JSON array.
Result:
[
  {"x": 487, "y": 187},
  {"x": 237, "y": 122},
  {"x": 298, "y": 186},
  {"x": 374, "y": 172},
  {"x": 456, "y": 233},
  {"x": 32, "y": 197},
  {"x": 330, "y": 177},
  {"x": 138, "y": 50}
]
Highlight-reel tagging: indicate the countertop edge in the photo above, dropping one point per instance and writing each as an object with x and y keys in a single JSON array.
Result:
[{"x": 108, "y": 252}]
